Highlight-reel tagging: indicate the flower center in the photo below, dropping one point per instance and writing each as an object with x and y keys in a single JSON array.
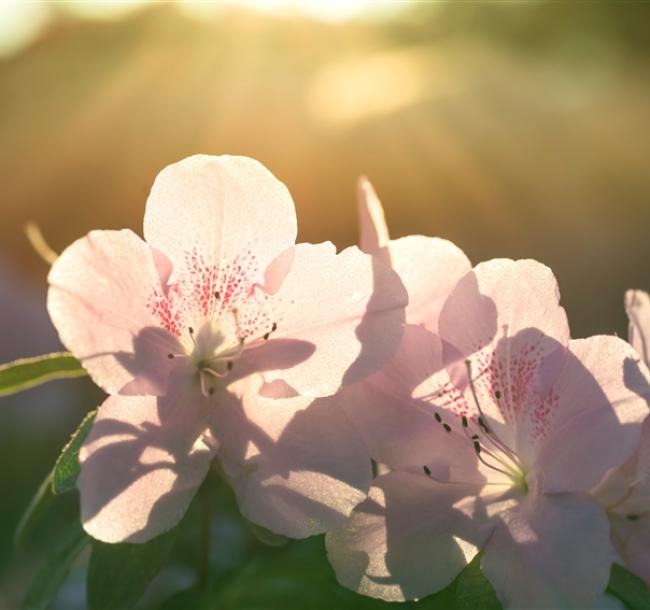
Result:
[
  {"x": 492, "y": 452},
  {"x": 214, "y": 350}
]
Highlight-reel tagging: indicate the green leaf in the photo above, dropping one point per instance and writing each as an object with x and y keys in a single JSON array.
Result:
[
  {"x": 299, "y": 576},
  {"x": 41, "y": 500},
  {"x": 473, "y": 590},
  {"x": 56, "y": 567},
  {"x": 629, "y": 588},
  {"x": 119, "y": 574},
  {"x": 29, "y": 372},
  {"x": 66, "y": 468}
]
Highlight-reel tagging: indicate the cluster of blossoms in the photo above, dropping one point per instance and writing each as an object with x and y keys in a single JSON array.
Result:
[{"x": 219, "y": 340}]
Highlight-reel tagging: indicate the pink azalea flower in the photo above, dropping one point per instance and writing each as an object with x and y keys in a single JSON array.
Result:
[
  {"x": 494, "y": 431},
  {"x": 212, "y": 337},
  {"x": 625, "y": 491}
]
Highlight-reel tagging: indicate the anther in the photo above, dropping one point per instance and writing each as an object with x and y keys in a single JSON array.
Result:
[
  {"x": 217, "y": 294},
  {"x": 266, "y": 336},
  {"x": 481, "y": 422},
  {"x": 475, "y": 437},
  {"x": 497, "y": 394},
  {"x": 211, "y": 391},
  {"x": 229, "y": 365},
  {"x": 170, "y": 356},
  {"x": 438, "y": 418},
  {"x": 447, "y": 427},
  {"x": 190, "y": 330},
  {"x": 477, "y": 447},
  {"x": 427, "y": 470},
  {"x": 632, "y": 517},
  {"x": 274, "y": 327},
  {"x": 464, "y": 419}
]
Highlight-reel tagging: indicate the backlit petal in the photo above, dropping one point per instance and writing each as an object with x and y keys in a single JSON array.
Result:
[
  {"x": 410, "y": 538},
  {"x": 141, "y": 465},
  {"x": 349, "y": 307},
  {"x": 100, "y": 297}
]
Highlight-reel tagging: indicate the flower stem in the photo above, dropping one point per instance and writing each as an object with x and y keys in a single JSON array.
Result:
[{"x": 204, "y": 543}]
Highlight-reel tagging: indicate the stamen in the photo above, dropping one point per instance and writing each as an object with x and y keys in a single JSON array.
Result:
[
  {"x": 266, "y": 335},
  {"x": 427, "y": 472},
  {"x": 213, "y": 372},
  {"x": 481, "y": 421},
  {"x": 202, "y": 380}
]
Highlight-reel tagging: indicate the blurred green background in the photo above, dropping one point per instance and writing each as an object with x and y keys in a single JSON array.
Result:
[{"x": 513, "y": 129}]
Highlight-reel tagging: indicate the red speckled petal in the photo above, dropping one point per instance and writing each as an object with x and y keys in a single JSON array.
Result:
[
  {"x": 595, "y": 423},
  {"x": 214, "y": 217}
]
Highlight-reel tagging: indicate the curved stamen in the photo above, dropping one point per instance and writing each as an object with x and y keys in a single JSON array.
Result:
[
  {"x": 490, "y": 433},
  {"x": 427, "y": 472}
]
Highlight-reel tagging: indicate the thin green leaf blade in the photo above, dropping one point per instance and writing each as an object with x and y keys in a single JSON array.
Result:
[
  {"x": 119, "y": 574},
  {"x": 67, "y": 467},
  {"x": 26, "y": 373},
  {"x": 629, "y": 588},
  {"x": 41, "y": 500},
  {"x": 56, "y": 567}
]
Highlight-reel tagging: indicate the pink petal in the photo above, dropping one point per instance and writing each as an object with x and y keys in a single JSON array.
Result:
[
  {"x": 209, "y": 213},
  {"x": 410, "y": 538},
  {"x": 100, "y": 290},
  {"x": 429, "y": 268},
  {"x": 505, "y": 318},
  {"x": 398, "y": 429},
  {"x": 348, "y": 307},
  {"x": 141, "y": 465},
  {"x": 296, "y": 464},
  {"x": 373, "y": 232},
  {"x": 500, "y": 298},
  {"x": 639, "y": 498},
  {"x": 599, "y": 402},
  {"x": 637, "y": 306},
  {"x": 550, "y": 552}
]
